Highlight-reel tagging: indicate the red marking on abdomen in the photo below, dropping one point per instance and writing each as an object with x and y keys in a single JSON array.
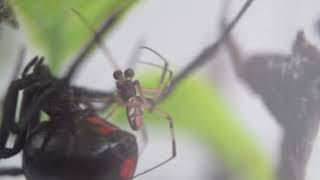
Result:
[
  {"x": 128, "y": 168},
  {"x": 105, "y": 130},
  {"x": 103, "y": 127},
  {"x": 96, "y": 120}
]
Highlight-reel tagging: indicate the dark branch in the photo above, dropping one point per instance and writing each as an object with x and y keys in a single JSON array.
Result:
[
  {"x": 209, "y": 52},
  {"x": 84, "y": 52}
]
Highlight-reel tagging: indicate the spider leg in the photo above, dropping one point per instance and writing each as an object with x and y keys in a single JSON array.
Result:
[
  {"x": 9, "y": 124},
  {"x": 9, "y": 108},
  {"x": 163, "y": 85},
  {"x": 28, "y": 99},
  {"x": 163, "y": 75},
  {"x": 148, "y": 102},
  {"x": 113, "y": 110},
  {"x": 33, "y": 114},
  {"x": 32, "y": 63},
  {"x": 105, "y": 26},
  {"x": 142, "y": 96},
  {"x": 9, "y": 111},
  {"x": 18, "y": 145},
  {"x": 144, "y": 138},
  {"x": 30, "y": 116},
  {"x": 173, "y": 143},
  {"x": 134, "y": 56},
  {"x": 17, "y": 68},
  {"x": 165, "y": 61}
]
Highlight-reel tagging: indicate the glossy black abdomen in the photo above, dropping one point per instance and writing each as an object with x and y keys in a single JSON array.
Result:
[{"x": 90, "y": 150}]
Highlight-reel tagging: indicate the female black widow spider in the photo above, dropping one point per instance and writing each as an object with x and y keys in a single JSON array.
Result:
[{"x": 75, "y": 143}]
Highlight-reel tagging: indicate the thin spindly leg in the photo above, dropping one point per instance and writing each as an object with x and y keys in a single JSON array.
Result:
[
  {"x": 148, "y": 102},
  {"x": 144, "y": 138},
  {"x": 157, "y": 92},
  {"x": 166, "y": 64},
  {"x": 106, "y": 25},
  {"x": 163, "y": 85},
  {"x": 173, "y": 143},
  {"x": 134, "y": 56},
  {"x": 143, "y": 98},
  {"x": 113, "y": 110},
  {"x": 106, "y": 51},
  {"x": 165, "y": 69}
]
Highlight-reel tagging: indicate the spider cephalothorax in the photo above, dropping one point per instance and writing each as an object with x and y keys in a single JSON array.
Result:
[{"x": 125, "y": 84}]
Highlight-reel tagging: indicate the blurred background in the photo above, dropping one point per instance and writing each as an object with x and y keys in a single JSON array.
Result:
[{"x": 179, "y": 30}]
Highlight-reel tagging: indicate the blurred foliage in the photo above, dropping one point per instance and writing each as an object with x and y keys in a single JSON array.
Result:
[
  {"x": 7, "y": 15},
  {"x": 195, "y": 106},
  {"x": 56, "y": 29}
]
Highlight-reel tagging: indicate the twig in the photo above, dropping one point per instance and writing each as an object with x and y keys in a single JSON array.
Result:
[
  {"x": 84, "y": 52},
  {"x": 208, "y": 53}
]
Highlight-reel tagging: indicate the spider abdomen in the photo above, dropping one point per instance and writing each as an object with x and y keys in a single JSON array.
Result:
[{"x": 93, "y": 150}]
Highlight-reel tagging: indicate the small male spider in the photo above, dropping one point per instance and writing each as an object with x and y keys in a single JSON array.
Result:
[{"x": 131, "y": 95}]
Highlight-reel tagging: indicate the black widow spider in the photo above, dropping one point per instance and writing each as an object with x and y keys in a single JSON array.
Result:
[{"x": 75, "y": 143}]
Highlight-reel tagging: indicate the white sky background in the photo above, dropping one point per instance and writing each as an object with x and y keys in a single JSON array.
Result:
[{"x": 178, "y": 29}]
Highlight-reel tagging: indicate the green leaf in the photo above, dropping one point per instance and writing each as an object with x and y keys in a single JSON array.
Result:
[
  {"x": 197, "y": 108},
  {"x": 56, "y": 29}
]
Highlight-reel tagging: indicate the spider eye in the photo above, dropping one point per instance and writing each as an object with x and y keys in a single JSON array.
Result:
[
  {"x": 129, "y": 73},
  {"x": 117, "y": 75}
]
